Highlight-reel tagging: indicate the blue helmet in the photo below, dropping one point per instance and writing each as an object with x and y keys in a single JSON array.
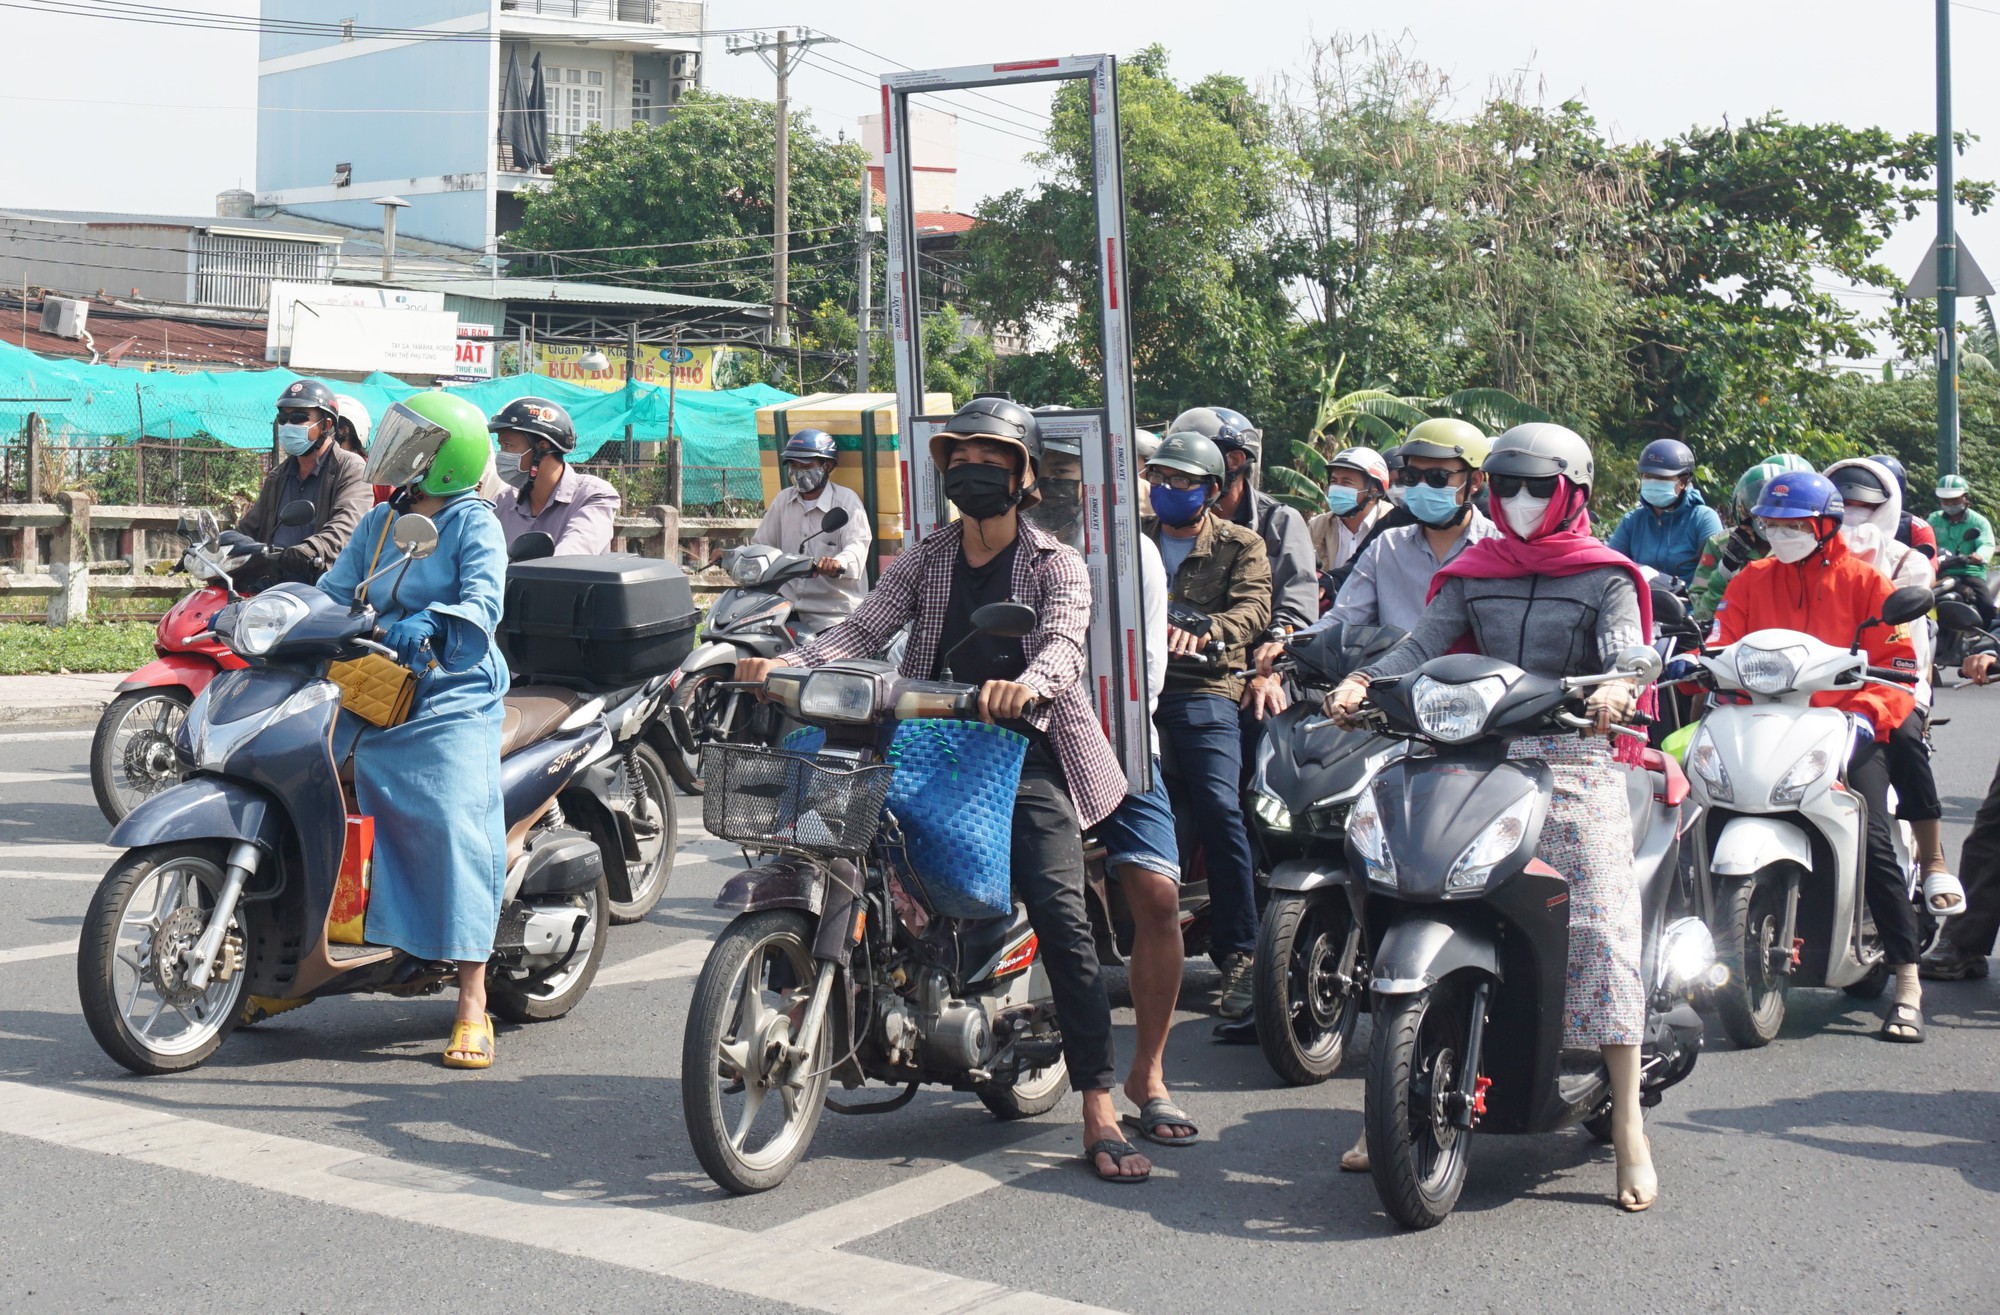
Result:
[
  {"x": 1798, "y": 495},
  {"x": 1894, "y": 467},
  {"x": 810, "y": 445},
  {"x": 1667, "y": 458}
]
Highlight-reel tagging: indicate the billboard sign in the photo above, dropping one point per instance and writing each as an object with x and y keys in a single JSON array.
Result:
[
  {"x": 286, "y": 296},
  {"x": 363, "y": 339}
]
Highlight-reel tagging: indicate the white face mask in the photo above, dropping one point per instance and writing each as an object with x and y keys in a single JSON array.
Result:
[
  {"x": 1855, "y": 514},
  {"x": 1790, "y": 545},
  {"x": 1524, "y": 513}
]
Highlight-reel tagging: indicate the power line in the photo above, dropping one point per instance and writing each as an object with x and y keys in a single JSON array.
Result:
[
  {"x": 819, "y": 62},
  {"x": 998, "y": 118},
  {"x": 207, "y": 20},
  {"x": 995, "y": 100}
]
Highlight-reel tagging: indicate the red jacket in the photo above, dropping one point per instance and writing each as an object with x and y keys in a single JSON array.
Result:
[{"x": 1826, "y": 596}]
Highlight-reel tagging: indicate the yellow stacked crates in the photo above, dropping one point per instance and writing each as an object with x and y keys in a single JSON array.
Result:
[{"x": 864, "y": 428}]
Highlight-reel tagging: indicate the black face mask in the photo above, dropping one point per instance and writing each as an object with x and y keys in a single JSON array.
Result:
[
  {"x": 980, "y": 492},
  {"x": 1061, "y": 508}
]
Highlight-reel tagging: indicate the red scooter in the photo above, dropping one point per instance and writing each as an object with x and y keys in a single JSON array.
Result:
[{"x": 132, "y": 755}]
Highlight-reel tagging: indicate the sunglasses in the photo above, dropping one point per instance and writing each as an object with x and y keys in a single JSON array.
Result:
[
  {"x": 1409, "y": 477},
  {"x": 297, "y": 417},
  {"x": 1174, "y": 479},
  {"x": 1540, "y": 486}
]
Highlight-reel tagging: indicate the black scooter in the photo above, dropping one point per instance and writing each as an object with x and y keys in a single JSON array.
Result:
[{"x": 1469, "y": 930}]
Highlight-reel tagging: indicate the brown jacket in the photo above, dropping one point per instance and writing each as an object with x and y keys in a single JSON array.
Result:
[
  {"x": 341, "y": 499},
  {"x": 1227, "y": 574}
]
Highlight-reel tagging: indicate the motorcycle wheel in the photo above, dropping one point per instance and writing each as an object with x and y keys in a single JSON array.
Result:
[
  {"x": 132, "y": 754},
  {"x": 151, "y": 906},
  {"x": 1035, "y": 1092},
  {"x": 697, "y": 699},
  {"x": 540, "y": 999},
  {"x": 1416, "y": 1155},
  {"x": 647, "y": 782},
  {"x": 1298, "y": 962},
  {"x": 735, "y": 1025},
  {"x": 1750, "y": 917}
]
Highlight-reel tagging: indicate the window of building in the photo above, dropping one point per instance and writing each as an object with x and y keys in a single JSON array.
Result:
[
  {"x": 642, "y": 100},
  {"x": 576, "y": 99}
]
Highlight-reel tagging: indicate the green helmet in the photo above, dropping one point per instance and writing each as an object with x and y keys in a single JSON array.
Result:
[
  {"x": 436, "y": 440},
  {"x": 1443, "y": 438},
  {"x": 1192, "y": 453},
  {"x": 1751, "y": 484},
  {"x": 1953, "y": 486}
]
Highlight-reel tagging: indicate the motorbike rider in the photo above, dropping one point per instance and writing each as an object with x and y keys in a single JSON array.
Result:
[
  {"x": 314, "y": 468},
  {"x": 1356, "y": 497},
  {"x": 1814, "y": 583},
  {"x": 432, "y": 783},
  {"x": 1965, "y": 540},
  {"x": 1287, "y": 541},
  {"x": 840, "y": 570},
  {"x": 1727, "y": 553},
  {"x": 990, "y": 456},
  {"x": 1222, "y": 569},
  {"x": 1911, "y": 530},
  {"x": 351, "y": 432},
  {"x": 1961, "y": 949},
  {"x": 544, "y": 492},
  {"x": 1667, "y": 530},
  {"x": 1546, "y": 596}
]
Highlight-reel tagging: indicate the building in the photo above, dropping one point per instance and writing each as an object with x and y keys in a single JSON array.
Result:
[
  {"x": 219, "y": 262},
  {"x": 406, "y": 101}
]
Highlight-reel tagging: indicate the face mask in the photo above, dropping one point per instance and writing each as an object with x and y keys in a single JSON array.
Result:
[
  {"x": 1399, "y": 495},
  {"x": 981, "y": 492},
  {"x": 1855, "y": 514},
  {"x": 1178, "y": 507},
  {"x": 1434, "y": 507},
  {"x": 1524, "y": 512},
  {"x": 296, "y": 440},
  {"x": 1659, "y": 492},
  {"x": 1955, "y": 510},
  {"x": 510, "y": 472},
  {"x": 808, "y": 480},
  {"x": 1791, "y": 545},
  {"x": 1061, "y": 506},
  {"x": 1341, "y": 500}
]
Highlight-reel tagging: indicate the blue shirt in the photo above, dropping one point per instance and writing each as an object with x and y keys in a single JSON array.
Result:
[
  {"x": 1668, "y": 539},
  {"x": 1173, "y": 551}
]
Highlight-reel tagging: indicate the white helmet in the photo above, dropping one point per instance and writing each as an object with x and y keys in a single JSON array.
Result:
[
  {"x": 1364, "y": 461},
  {"x": 1541, "y": 449},
  {"x": 354, "y": 413}
]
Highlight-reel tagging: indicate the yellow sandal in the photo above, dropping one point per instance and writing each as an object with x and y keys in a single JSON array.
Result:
[{"x": 473, "y": 1038}]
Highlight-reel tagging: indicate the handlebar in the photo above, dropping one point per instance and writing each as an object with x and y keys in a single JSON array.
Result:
[{"x": 1890, "y": 673}]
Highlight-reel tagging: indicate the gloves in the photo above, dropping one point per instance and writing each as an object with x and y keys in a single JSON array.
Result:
[
  {"x": 1737, "y": 551},
  {"x": 1611, "y": 702},
  {"x": 1680, "y": 669},
  {"x": 409, "y": 636},
  {"x": 235, "y": 542}
]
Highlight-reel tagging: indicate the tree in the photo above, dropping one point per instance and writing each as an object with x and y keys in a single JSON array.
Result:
[{"x": 686, "y": 205}]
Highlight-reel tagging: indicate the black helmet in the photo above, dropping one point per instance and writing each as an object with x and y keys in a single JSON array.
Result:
[
  {"x": 1231, "y": 430},
  {"x": 1667, "y": 458},
  {"x": 1000, "y": 418},
  {"x": 539, "y": 418},
  {"x": 309, "y": 395},
  {"x": 1889, "y": 462},
  {"x": 1069, "y": 444}
]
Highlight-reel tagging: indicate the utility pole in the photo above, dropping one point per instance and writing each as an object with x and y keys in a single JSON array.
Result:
[
  {"x": 1947, "y": 259},
  {"x": 782, "y": 48},
  {"x": 866, "y": 304}
]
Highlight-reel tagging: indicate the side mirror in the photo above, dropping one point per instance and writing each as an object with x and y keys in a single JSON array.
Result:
[
  {"x": 1641, "y": 662},
  {"x": 1906, "y": 605},
  {"x": 299, "y": 511},
  {"x": 1668, "y": 610},
  {"x": 204, "y": 521},
  {"x": 833, "y": 520},
  {"x": 1954, "y": 615},
  {"x": 416, "y": 535},
  {"x": 1005, "y": 620},
  {"x": 531, "y": 546}
]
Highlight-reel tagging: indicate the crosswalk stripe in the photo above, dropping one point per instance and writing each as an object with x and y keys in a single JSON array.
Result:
[{"x": 53, "y": 950}]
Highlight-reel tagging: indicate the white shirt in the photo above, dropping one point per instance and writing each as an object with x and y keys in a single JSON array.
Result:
[
  {"x": 1153, "y": 612},
  {"x": 1334, "y": 543},
  {"x": 792, "y": 521}
]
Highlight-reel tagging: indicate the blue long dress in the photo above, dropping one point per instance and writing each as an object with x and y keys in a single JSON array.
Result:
[{"x": 432, "y": 784}]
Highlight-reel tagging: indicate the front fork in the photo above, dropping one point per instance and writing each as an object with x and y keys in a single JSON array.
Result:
[
  {"x": 1465, "y": 1105},
  {"x": 840, "y": 926},
  {"x": 200, "y": 959}
]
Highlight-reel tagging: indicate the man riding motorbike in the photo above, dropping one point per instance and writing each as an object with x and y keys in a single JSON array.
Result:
[
  {"x": 315, "y": 468},
  {"x": 1356, "y": 498},
  {"x": 1965, "y": 539},
  {"x": 990, "y": 455},
  {"x": 840, "y": 571},
  {"x": 1667, "y": 530},
  {"x": 1287, "y": 542},
  {"x": 543, "y": 491}
]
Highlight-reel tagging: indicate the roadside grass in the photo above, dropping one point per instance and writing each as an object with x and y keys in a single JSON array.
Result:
[{"x": 32, "y": 648}]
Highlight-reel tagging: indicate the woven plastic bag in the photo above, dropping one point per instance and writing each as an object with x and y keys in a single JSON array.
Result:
[{"x": 953, "y": 795}]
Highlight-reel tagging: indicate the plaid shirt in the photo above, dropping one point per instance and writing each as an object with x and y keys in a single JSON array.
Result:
[{"x": 1049, "y": 577}]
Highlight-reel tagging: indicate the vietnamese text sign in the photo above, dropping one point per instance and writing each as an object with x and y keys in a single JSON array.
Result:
[
  {"x": 285, "y": 297},
  {"x": 361, "y": 339},
  {"x": 690, "y": 367}
]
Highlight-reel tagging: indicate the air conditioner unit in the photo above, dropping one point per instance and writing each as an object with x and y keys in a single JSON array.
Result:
[{"x": 65, "y": 317}]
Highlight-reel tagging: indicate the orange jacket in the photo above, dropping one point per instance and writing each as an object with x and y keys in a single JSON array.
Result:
[{"x": 1826, "y": 596}]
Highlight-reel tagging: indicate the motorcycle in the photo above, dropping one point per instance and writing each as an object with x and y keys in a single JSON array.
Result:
[
  {"x": 1781, "y": 864},
  {"x": 242, "y": 889},
  {"x": 835, "y": 966},
  {"x": 132, "y": 753},
  {"x": 751, "y": 619},
  {"x": 1310, "y": 971},
  {"x": 1469, "y": 931},
  {"x": 1967, "y": 593}
]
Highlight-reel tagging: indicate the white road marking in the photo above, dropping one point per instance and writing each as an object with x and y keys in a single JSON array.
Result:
[
  {"x": 807, "y": 1274},
  {"x": 88, "y": 878},
  {"x": 681, "y": 959},
  {"x": 36, "y": 778},
  {"x": 72, "y": 851},
  {"x": 43, "y": 737},
  {"x": 54, "y": 950}
]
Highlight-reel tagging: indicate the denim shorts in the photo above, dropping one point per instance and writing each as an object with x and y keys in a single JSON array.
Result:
[{"x": 1141, "y": 832}]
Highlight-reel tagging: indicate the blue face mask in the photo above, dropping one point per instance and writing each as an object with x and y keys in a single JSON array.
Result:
[
  {"x": 1178, "y": 507},
  {"x": 296, "y": 440},
  {"x": 1341, "y": 500},
  {"x": 1434, "y": 507},
  {"x": 1659, "y": 492}
]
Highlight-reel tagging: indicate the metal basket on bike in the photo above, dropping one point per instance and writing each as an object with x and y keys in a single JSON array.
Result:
[{"x": 791, "y": 802}]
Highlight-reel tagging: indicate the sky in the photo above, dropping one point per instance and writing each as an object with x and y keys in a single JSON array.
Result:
[{"x": 98, "y": 117}]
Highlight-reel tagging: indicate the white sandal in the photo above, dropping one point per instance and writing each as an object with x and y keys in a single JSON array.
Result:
[{"x": 1946, "y": 886}]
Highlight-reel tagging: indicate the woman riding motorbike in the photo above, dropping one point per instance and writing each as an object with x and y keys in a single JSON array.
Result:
[
  {"x": 1547, "y": 597},
  {"x": 432, "y": 783}
]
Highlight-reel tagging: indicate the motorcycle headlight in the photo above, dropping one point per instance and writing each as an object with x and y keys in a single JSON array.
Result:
[
  {"x": 211, "y": 742},
  {"x": 1769, "y": 670},
  {"x": 1491, "y": 847},
  {"x": 1687, "y": 957},
  {"x": 1270, "y": 810},
  {"x": 1455, "y": 713},
  {"x": 1705, "y": 761},
  {"x": 1371, "y": 839},
  {"x": 264, "y": 621},
  {"x": 838, "y": 696},
  {"x": 1800, "y": 777}
]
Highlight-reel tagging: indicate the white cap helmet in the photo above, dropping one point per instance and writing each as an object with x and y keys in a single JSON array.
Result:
[
  {"x": 354, "y": 413},
  {"x": 1364, "y": 460}
]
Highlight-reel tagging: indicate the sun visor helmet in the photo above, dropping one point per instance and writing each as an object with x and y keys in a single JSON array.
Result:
[{"x": 405, "y": 444}]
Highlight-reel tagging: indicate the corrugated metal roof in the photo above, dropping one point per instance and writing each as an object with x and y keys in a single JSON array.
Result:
[
  {"x": 574, "y": 294},
  {"x": 104, "y": 217}
]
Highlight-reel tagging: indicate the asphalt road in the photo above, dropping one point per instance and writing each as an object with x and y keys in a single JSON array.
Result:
[{"x": 325, "y": 1161}]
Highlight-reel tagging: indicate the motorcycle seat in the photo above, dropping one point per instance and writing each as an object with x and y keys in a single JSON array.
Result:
[{"x": 532, "y": 711}]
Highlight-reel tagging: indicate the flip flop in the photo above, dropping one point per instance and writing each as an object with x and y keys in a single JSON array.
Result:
[
  {"x": 1119, "y": 1150},
  {"x": 1943, "y": 884},
  {"x": 1903, "y": 1016},
  {"x": 1159, "y": 1112},
  {"x": 473, "y": 1037}
]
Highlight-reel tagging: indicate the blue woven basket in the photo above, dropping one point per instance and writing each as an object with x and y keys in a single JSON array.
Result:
[{"x": 953, "y": 795}]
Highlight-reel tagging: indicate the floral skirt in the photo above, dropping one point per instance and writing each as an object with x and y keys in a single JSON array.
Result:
[{"x": 1588, "y": 838}]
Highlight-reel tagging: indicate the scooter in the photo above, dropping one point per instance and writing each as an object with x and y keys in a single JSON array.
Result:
[
  {"x": 243, "y": 888},
  {"x": 1781, "y": 859},
  {"x": 751, "y": 619},
  {"x": 835, "y": 965},
  {"x": 132, "y": 754},
  {"x": 1469, "y": 931}
]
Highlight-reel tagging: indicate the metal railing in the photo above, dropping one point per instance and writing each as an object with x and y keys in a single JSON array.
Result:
[
  {"x": 560, "y": 144},
  {"x": 676, "y": 15}
]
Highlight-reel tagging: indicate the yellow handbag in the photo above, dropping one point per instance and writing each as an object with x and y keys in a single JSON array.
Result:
[{"x": 377, "y": 689}]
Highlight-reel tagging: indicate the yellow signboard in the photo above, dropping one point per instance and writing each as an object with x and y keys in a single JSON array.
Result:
[{"x": 690, "y": 367}]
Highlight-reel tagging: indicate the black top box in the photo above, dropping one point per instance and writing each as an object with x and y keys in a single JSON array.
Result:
[{"x": 600, "y": 623}]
